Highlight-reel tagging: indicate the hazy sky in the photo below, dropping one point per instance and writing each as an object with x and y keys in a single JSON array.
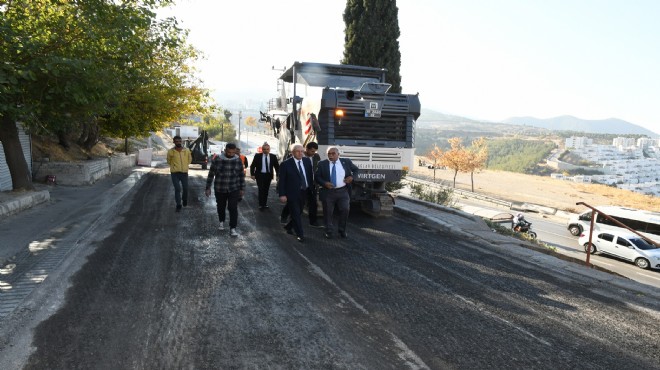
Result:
[{"x": 484, "y": 59}]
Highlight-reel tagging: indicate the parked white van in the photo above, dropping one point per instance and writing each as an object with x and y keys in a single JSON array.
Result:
[{"x": 645, "y": 222}]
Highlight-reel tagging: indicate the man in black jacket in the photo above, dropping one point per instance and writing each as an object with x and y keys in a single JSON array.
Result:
[
  {"x": 335, "y": 176},
  {"x": 263, "y": 167},
  {"x": 310, "y": 152},
  {"x": 295, "y": 177}
]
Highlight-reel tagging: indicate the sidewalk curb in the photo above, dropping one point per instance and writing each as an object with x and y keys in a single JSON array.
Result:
[
  {"x": 23, "y": 202},
  {"x": 439, "y": 207}
]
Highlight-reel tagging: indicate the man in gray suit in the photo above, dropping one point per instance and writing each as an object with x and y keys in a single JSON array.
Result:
[{"x": 335, "y": 176}]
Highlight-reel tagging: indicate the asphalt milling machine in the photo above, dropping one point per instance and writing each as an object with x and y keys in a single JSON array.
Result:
[{"x": 349, "y": 107}]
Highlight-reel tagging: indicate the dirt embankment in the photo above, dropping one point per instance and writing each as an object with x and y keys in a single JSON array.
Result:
[{"x": 542, "y": 190}]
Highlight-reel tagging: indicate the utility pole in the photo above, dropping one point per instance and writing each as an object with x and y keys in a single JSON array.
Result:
[{"x": 240, "y": 115}]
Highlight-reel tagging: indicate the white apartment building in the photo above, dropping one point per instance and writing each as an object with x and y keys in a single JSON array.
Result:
[
  {"x": 645, "y": 142},
  {"x": 578, "y": 142},
  {"x": 601, "y": 153},
  {"x": 578, "y": 178},
  {"x": 623, "y": 142},
  {"x": 650, "y": 188}
]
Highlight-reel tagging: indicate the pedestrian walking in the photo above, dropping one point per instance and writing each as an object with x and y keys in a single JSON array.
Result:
[
  {"x": 227, "y": 176},
  {"x": 312, "y": 207},
  {"x": 179, "y": 158},
  {"x": 335, "y": 176},
  {"x": 263, "y": 167},
  {"x": 295, "y": 177}
]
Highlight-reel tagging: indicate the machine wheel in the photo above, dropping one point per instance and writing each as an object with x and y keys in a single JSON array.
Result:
[
  {"x": 575, "y": 230},
  {"x": 591, "y": 250},
  {"x": 642, "y": 263},
  {"x": 532, "y": 235}
]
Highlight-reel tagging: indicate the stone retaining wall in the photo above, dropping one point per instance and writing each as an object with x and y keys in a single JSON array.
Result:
[{"x": 84, "y": 173}]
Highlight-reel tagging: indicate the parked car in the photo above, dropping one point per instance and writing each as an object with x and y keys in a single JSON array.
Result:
[
  {"x": 626, "y": 246},
  {"x": 215, "y": 149}
]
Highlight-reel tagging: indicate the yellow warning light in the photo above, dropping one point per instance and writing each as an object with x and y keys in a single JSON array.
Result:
[
  {"x": 405, "y": 168},
  {"x": 339, "y": 112}
]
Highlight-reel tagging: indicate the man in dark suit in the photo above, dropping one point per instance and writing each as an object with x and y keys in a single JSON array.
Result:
[
  {"x": 295, "y": 176},
  {"x": 335, "y": 176},
  {"x": 310, "y": 152},
  {"x": 262, "y": 170}
]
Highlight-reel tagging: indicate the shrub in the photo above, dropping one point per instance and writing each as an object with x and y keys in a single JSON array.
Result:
[{"x": 443, "y": 196}]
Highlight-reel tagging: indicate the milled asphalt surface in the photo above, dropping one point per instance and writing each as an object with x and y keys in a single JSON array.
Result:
[{"x": 27, "y": 216}]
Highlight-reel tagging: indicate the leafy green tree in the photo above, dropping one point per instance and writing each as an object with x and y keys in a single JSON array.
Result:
[
  {"x": 90, "y": 67},
  {"x": 218, "y": 128},
  {"x": 371, "y": 37}
]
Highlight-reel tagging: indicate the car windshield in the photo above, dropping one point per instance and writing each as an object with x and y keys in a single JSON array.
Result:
[{"x": 642, "y": 244}]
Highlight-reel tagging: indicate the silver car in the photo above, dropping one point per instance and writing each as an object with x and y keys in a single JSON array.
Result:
[{"x": 628, "y": 246}]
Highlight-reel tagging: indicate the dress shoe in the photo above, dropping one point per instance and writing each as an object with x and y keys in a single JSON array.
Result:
[
  {"x": 342, "y": 234},
  {"x": 316, "y": 225},
  {"x": 300, "y": 239},
  {"x": 185, "y": 203},
  {"x": 178, "y": 208},
  {"x": 328, "y": 235}
]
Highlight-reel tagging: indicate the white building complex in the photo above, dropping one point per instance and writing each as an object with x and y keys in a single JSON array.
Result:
[{"x": 627, "y": 163}]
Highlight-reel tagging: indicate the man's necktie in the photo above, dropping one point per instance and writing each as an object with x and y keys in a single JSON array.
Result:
[
  {"x": 267, "y": 164},
  {"x": 333, "y": 175},
  {"x": 302, "y": 176}
]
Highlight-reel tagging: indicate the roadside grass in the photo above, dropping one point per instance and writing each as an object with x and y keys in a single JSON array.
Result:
[
  {"x": 624, "y": 198},
  {"x": 572, "y": 193}
]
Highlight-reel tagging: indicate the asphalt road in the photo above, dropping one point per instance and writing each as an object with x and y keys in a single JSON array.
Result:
[{"x": 165, "y": 290}]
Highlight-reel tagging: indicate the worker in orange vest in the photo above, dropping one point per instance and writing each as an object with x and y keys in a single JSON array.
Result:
[{"x": 243, "y": 159}]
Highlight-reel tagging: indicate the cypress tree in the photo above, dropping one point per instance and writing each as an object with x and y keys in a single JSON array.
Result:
[{"x": 371, "y": 37}]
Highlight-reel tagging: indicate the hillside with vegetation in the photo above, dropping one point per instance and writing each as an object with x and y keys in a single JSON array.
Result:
[{"x": 517, "y": 155}]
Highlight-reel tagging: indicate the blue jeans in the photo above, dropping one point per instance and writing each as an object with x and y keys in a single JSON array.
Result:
[{"x": 180, "y": 182}]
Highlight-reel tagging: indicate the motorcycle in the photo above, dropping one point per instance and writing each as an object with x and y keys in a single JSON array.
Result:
[{"x": 524, "y": 227}]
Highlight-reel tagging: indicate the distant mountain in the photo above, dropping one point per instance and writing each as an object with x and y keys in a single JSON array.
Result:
[
  {"x": 456, "y": 126},
  {"x": 570, "y": 123},
  {"x": 428, "y": 115}
]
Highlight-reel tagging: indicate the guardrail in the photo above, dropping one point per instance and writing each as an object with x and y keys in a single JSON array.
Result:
[{"x": 461, "y": 192}]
